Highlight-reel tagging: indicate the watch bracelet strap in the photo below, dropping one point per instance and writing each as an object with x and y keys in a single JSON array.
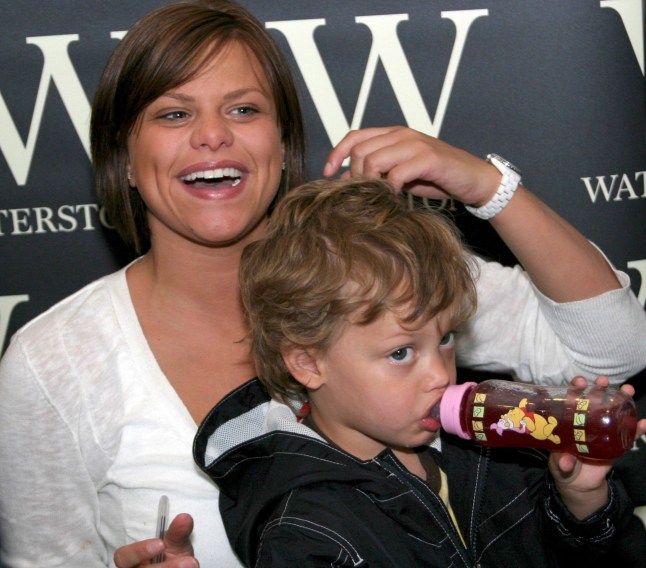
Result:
[{"x": 504, "y": 193}]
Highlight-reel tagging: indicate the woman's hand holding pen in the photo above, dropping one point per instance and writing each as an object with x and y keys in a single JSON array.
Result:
[{"x": 176, "y": 548}]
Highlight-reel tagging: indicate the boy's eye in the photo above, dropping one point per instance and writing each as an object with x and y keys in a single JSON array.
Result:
[
  {"x": 448, "y": 339},
  {"x": 401, "y": 355}
]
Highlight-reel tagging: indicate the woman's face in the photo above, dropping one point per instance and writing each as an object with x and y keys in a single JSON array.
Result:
[{"x": 206, "y": 156}]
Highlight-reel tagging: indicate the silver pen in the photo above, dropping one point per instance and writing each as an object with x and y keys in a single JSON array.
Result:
[{"x": 162, "y": 518}]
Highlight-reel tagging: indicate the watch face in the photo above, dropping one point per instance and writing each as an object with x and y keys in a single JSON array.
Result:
[{"x": 502, "y": 162}]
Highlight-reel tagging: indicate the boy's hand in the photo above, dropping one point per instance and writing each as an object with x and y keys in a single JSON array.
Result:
[{"x": 580, "y": 482}]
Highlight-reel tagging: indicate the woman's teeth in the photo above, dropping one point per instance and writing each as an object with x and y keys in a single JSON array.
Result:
[{"x": 217, "y": 174}]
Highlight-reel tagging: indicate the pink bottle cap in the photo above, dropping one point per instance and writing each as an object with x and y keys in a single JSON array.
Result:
[{"x": 450, "y": 409}]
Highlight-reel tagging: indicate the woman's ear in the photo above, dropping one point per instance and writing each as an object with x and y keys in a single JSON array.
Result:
[
  {"x": 303, "y": 366},
  {"x": 131, "y": 178}
]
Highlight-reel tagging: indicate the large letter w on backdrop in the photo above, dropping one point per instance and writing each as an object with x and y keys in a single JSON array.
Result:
[
  {"x": 385, "y": 47},
  {"x": 57, "y": 68}
]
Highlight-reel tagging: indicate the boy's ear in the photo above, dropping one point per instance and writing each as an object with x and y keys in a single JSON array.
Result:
[{"x": 303, "y": 366}]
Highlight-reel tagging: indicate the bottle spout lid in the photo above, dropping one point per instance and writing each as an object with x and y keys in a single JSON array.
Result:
[{"x": 450, "y": 409}]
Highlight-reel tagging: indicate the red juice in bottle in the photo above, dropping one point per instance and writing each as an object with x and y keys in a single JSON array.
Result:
[{"x": 593, "y": 422}]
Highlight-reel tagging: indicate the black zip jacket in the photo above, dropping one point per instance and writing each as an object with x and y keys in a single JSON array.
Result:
[{"x": 289, "y": 499}]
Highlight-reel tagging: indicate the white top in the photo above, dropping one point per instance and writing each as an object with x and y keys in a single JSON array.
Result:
[{"x": 92, "y": 433}]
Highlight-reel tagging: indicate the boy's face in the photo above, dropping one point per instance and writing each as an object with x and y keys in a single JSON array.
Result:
[{"x": 379, "y": 382}]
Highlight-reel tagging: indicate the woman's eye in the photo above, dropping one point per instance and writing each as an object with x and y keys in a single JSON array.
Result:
[
  {"x": 401, "y": 355},
  {"x": 245, "y": 111},
  {"x": 448, "y": 339},
  {"x": 174, "y": 115}
]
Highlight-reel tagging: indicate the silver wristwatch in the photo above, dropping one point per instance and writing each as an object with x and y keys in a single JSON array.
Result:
[{"x": 510, "y": 182}]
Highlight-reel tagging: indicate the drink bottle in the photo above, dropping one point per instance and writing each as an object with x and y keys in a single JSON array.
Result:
[{"x": 594, "y": 422}]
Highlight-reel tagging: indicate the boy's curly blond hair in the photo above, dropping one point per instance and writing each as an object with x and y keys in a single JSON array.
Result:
[{"x": 340, "y": 251}]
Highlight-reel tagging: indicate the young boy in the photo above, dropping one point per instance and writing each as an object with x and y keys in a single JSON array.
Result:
[{"x": 331, "y": 458}]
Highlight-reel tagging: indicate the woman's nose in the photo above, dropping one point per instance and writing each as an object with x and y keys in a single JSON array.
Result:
[{"x": 211, "y": 132}]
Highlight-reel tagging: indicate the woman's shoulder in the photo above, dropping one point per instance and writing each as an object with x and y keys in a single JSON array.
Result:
[
  {"x": 79, "y": 347},
  {"x": 76, "y": 323},
  {"x": 89, "y": 302}
]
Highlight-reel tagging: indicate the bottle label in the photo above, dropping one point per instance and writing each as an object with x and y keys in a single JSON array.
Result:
[{"x": 523, "y": 421}]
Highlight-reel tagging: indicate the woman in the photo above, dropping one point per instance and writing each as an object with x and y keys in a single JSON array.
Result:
[{"x": 196, "y": 130}]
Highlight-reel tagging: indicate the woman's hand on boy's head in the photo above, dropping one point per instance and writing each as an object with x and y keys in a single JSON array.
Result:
[{"x": 415, "y": 162}]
